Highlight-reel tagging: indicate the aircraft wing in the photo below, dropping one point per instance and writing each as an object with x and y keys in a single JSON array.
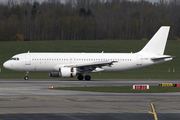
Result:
[{"x": 92, "y": 66}]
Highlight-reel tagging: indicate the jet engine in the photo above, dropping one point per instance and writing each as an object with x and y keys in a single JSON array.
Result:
[{"x": 64, "y": 72}]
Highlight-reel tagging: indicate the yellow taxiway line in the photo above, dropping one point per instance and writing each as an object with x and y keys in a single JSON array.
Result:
[{"x": 154, "y": 111}]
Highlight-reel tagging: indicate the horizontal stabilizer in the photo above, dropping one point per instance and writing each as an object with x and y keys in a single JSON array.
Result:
[{"x": 166, "y": 58}]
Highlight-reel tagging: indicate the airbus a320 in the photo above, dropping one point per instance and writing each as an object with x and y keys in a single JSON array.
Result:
[{"x": 72, "y": 64}]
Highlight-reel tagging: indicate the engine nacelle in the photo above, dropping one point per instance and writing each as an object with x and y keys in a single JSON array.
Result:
[
  {"x": 67, "y": 72},
  {"x": 54, "y": 74},
  {"x": 64, "y": 72}
]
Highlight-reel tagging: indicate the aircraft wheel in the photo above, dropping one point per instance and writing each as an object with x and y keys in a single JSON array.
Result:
[
  {"x": 80, "y": 77},
  {"x": 87, "y": 77},
  {"x": 26, "y": 78}
]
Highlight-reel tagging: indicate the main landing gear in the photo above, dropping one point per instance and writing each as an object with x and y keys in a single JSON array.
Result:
[
  {"x": 87, "y": 77},
  {"x": 26, "y": 77}
]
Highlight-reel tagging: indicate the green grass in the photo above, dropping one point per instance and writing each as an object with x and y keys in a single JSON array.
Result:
[
  {"x": 8, "y": 49},
  {"x": 121, "y": 89}
]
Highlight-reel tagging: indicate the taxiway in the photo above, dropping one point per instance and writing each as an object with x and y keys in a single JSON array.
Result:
[{"x": 32, "y": 99}]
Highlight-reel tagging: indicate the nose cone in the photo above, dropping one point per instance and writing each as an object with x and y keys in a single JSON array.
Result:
[{"x": 6, "y": 65}]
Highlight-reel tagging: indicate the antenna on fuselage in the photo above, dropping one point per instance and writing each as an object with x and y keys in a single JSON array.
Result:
[{"x": 28, "y": 51}]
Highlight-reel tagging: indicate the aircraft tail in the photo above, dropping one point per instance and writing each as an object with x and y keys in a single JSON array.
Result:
[{"x": 157, "y": 43}]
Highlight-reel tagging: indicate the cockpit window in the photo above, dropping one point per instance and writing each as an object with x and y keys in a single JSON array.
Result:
[{"x": 16, "y": 59}]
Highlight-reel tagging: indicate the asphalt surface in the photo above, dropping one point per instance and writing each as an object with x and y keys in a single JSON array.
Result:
[{"x": 26, "y": 100}]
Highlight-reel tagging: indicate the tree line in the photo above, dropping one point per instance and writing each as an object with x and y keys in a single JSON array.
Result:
[{"x": 86, "y": 19}]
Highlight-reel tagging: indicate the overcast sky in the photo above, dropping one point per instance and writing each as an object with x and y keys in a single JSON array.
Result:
[{"x": 64, "y": 0}]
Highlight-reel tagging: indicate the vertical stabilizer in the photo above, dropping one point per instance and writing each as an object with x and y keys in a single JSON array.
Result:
[{"x": 157, "y": 43}]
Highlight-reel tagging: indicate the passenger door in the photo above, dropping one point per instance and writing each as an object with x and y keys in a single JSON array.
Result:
[
  {"x": 27, "y": 59},
  {"x": 139, "y": 60}
]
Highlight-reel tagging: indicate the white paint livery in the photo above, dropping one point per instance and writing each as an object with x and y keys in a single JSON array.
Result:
[{"x": 72, "y": 64}]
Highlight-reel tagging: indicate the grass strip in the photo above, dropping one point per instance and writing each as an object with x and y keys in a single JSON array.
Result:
[{"x": 121, "y": 89}]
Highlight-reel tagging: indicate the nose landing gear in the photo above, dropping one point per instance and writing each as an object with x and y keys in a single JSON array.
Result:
[{"x": 26, "y": 77}]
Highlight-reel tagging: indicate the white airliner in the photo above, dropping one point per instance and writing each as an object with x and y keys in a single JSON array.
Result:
[{"x": 72, "y": 64}]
